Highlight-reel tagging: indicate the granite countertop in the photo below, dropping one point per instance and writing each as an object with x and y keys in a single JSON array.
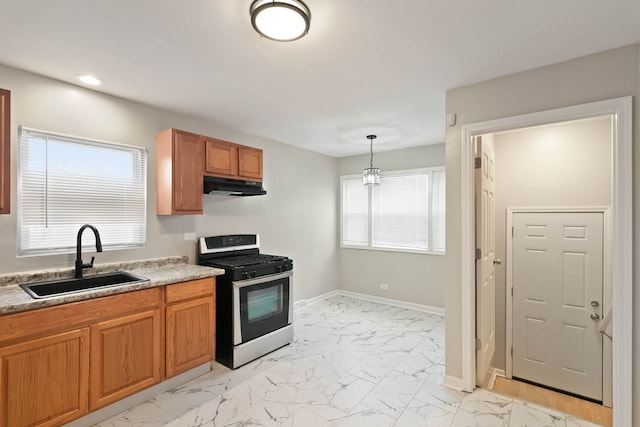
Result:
[{"x": 159, "y": 271}]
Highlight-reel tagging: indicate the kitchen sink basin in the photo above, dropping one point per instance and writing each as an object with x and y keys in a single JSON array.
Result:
[{"x": 71, "y": 286}]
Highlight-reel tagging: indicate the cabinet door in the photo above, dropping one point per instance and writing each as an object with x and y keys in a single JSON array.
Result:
[
  {"x": 187, "y": 173},
  {"x": 250, "y": 163},
  {"x": 125, "y": 356},
  {"x": 190, "y": 334},
  {"x": 44, "y": 382},
  {"x": 222, "y": 158},
  {"x": 5, "y": 150}
]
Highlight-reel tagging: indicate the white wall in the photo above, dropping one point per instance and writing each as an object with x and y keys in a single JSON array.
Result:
[
  {"x": 563, "y": 165},
  {"x": 415, "y": 278},
  {"x": 297, "y": 217},
  {"x": 605, "y": 75}
]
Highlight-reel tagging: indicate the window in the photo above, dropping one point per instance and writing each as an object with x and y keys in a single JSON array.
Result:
[
  {"x": 406, "y": 212},
  {"x": 65, "y": 182}
]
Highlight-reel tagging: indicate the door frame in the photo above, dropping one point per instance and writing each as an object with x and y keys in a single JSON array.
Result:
[
  {"x": 607, "y": 399},
  {"x": 622, "y": 237}
]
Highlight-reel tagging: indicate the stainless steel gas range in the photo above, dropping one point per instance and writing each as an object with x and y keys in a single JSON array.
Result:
[{"x": 254, "y": 305}]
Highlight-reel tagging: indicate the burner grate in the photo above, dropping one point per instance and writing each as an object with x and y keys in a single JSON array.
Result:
[{"x": 245, "y": 260}]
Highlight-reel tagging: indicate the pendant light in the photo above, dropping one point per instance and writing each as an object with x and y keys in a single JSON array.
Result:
[
  {"x": 282, "y": 21},
  {"x": 371, "y": 175}
]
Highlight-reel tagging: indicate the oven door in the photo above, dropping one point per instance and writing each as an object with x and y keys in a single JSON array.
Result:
[{"x": 261, "y": 305}]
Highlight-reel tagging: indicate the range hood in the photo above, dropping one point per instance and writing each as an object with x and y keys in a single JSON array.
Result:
[{"x": 232, "y": 187}]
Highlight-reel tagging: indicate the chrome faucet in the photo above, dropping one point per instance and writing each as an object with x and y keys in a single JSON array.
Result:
[{"x": 79, "y": 264}]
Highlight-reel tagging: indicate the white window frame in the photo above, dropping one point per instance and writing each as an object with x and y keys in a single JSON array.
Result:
[
  {"x": 62, "y": 247},
  {"x": 369, "y": 245}
]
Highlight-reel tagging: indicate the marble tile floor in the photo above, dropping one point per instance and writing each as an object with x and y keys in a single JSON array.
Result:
[{"x": 352, "y": 363}]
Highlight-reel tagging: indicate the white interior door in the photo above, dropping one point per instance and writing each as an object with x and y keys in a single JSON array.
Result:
[
  {"x": 485, "y": 256},
  {"x": 557, "y": 298}
]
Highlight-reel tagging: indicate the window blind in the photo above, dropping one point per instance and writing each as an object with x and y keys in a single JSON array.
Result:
[
  {"x": 65, "y": 182},
  {"x": 401, "y": 212},
  {"x": 355, "y": 208},
  {"x": 406, "y": 212},
  {"x": 438, "y": 212}
]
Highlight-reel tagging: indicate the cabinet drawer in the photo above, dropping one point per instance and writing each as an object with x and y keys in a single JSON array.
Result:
[
  {"x": 82, "y": 313},
  {"x": 189, "y": 290}
]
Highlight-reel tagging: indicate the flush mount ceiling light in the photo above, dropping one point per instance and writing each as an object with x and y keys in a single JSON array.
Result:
[
  {"x": 282, "y": 21},
  {"x": 89, "y": 79},
  {"x": 371, "y": 175}
]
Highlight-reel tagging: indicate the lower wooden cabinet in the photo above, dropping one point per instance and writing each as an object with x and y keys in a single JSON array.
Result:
[
  {"x": 44, "y": 382},
  {"x": 190, "y": 332},
  {"x": 125, "y": 356},
  {"x": 60, "y": 363}
]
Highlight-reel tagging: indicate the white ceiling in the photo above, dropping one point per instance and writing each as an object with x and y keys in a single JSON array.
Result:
[{"x": 366, "y": 66}]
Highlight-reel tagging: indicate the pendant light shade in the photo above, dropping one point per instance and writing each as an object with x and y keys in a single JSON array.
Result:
[
  {"x": 283, "y": 20},
  {"x": 371, "y": 175}
]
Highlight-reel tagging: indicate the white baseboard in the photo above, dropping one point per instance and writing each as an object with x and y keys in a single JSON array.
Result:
[
  {"x": 305, "y": 302},
  {"x": 494, "y": 374},
  {"x": 453, "y": 382},
  {"x": 404, "y": 304},
  {"x": 300, "y": 304}
]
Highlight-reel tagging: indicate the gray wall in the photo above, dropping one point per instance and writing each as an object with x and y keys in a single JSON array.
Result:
[
  {"x": 416, "y": 278},
  {"x": 297, "y": 217},
  {"x": 563, "y": 165},
  {"x": 605, "y": 75}
]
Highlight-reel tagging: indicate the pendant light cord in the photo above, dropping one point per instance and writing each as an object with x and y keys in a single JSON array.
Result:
[
  {"x": 371, "y": 138},
  {"x": 371, "y": 159}
]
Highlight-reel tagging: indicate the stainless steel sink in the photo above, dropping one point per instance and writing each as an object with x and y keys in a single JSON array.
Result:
[{"x": 71, "y": 286}]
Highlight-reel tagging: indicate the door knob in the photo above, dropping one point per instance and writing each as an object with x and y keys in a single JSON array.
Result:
[
  {"x": 595, "y": 316},
  {"x": 595, "y": 304},
  {"x": 497, "y": 261}
]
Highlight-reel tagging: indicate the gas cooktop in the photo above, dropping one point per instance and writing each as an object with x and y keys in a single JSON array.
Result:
[
  {"x": 245, "y": 260},
  {"x": 240, "y": 257}
]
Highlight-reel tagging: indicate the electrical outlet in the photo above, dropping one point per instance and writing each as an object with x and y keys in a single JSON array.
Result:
[
  {"x": 384, "y": 286},
  {"x": 189, "y": 236}
]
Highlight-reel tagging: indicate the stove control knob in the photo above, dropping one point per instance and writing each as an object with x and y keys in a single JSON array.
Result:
[
  {"x": 244, "y": 275},
  {"x": 278, "y": 269},
  {"x": 253, "y": 273}
]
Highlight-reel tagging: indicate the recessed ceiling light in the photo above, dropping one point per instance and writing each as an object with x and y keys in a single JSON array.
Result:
[{"x": 89, "y": 79}]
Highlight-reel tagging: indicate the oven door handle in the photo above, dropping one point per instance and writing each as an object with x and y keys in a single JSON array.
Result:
[{"x": 261, "y": 279}]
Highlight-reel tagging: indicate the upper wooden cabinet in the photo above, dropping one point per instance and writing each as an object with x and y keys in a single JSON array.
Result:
[
  {"x": 5, "y": 151},
  {"x": 179, "y": 160},
  {"x": 182, "y": 160},
  {"x": 250, "y": 163},
  {"x": 221, "y": 158},
  {"x": 229, "y": 160}
]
